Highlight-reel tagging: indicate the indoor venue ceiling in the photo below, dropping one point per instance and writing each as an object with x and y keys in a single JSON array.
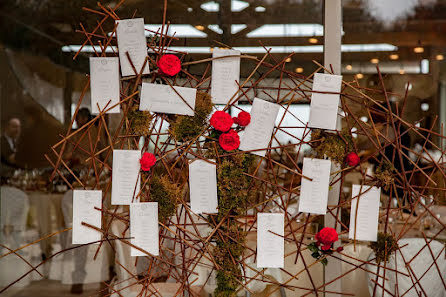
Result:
[{"x": 415, "y": 33}]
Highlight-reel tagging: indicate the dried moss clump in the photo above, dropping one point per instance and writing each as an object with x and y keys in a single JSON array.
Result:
[
  {"x": 233, "y": 197},
  {"x": 384, "y": 247},
  {"x": 139, "y": 121},
  {"x": 163, "y": 191},
  {"x": 334, "y": 146},
  {"x": 384, "y": 174},
  {"x": 185, "y": 128}
]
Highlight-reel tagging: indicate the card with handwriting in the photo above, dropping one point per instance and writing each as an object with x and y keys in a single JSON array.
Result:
[
  {"x": 324, "y": 107},
  {"x": 132, "y": 39},
  {"x": 364, "y": 213},
  {"x": 270, "y": 241},
  {"x": 167, "y": 99},
  {"x": 84, "y": 203},
  {"x": 257, "y": 134},
  {"x": 144, "y": 228},
  {"x": 225, "y": 75},
  {"x": 203, "y": 187},
  {"x": 125, "y": 177},
  {"x": 104, "y": 82},
  {"x": 314, "y": 192}
]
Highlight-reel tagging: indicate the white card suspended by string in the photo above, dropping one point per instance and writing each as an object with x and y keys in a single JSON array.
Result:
[
  {"x": 167, "y": 99},
  {"x": 364, "y": 213},
  {"x": 203, "y": 187},
  {"x": 84, "y": 203},
  {"x": 270, "y": 241},
  {"x": 225, "y": 75},
  {"x": 324, "y": 107},
  {"x": 314, "y": 192},
  {"x": 144, "y": 228},
  {"x": 104, "y": 82},
  {"x": 131, "y": 38},
  {"x": 257, "y": 134},
  {"x": 125, "y": 177}
]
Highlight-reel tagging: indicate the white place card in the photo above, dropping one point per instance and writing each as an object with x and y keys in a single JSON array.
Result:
[
  {"x": 84, "y": 202},
  {"x": 225, "y": 73},
  {"x": 270, "y": 247},
  {"x": 324, "y": 107},
  {"x": 131, "y": 38},
  {"x": 203, "y": 187},
  {"x": 125, "y": 176},
  {"x": 144, "y": 228},
  {"x": 104, "y": 82},
  {"x": 314, "y": 193},
  {"x": 165, "y": 99},
  {"x": 364, "y": 213},
  {"x": 257, "y": 134}
]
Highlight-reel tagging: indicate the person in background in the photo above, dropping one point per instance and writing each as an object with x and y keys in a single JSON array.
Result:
[{"x": 9, "y": 140}]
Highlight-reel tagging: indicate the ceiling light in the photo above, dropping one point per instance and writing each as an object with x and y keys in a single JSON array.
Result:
[
  {"x": 312, "y": 40},
  {"x": 349, "y": 67},
  {"x": 439, "y": 57},
  {"x": 419, "y": 49},
  {"x": 199, "y": 27},
  {"x": 374, "y": 60},
  {"x": 359, "y": 76},
  {"x": 190, "y": 9},
  {"x": 288, "y": 59},
  {"x": 402, "y": 71},
  {"x": 394, "y": 57},
  {"x": 424, "y": 106},
  {"x": 260, "y": 9},
  {"x": 299, "y": 70}
]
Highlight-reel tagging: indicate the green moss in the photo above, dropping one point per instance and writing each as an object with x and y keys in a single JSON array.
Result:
[
  {"x": 331, "y": 145},
  {"x": 185, "y": 128},
  {"x": 384, "y": 174},
  {"x": 384, "y": 247},
  {"x": 139, "y": 121},
  {"x": 162, "y": 190}
]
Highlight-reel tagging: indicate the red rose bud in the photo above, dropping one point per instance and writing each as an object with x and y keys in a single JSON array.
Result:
[
  {"x": 221, "y": 121},
  {"x": 243, "y": 119},
  {"x": 229, "y": 141},
  {"x": 339, "y": 249},
  {"x": 352, "y": 159},
  {"x": 169, "y": 64},
  {"x": 327, "y": 236},
  {"x": 147, "y": 161},
  {"x": 326, "y": 247}
]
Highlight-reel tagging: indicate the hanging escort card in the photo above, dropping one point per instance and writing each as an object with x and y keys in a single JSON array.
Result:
[
  {"x": 270, "y": 245},
  {"x": 165, "y": 99},
  {"x": 364, "y": 213},
  {"x": 257, "y": 134},
  {"x": 104, "y": 82},
  {"x": 144, "y": 228},
  {"x": 84, "y": 203},
  {"x": 225, "y": 73},
  {"x": 203, "y": 187},
  {"x": 324, "y": 107},
  {"x": 131, "y": 38},
  {"x": 314, "y": 193},
  {"x": 125, "y": 176}
]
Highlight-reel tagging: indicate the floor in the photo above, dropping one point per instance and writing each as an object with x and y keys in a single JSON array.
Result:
[{"x": 50, "y": 288}]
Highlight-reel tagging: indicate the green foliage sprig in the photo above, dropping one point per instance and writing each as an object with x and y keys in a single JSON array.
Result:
[
  {"x": 331, "y": 145},
  {"x": 384, "y": 247}
]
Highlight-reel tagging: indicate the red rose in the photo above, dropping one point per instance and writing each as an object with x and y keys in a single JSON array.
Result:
[
  {"x": 326, "y": 247},
  {"x": 243, "y": 119},
  {"x": 221, "y": 121},
  {"x": 327, "y": 236},
  {"x": 352, "y": 159},
  {"x": 147, "y": 161},
  {"x": 229, "y": 141},
  {"x": 169, "y": 64}
]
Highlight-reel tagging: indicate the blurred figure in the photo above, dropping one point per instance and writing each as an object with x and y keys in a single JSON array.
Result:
[{"x": 9, "y": 140}]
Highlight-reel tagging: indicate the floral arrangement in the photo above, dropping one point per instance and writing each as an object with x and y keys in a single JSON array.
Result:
[
  {"x": 384, "y": 247},
  {"x": 324, "y": 244},
  {"x": 333, "y": 146}
]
